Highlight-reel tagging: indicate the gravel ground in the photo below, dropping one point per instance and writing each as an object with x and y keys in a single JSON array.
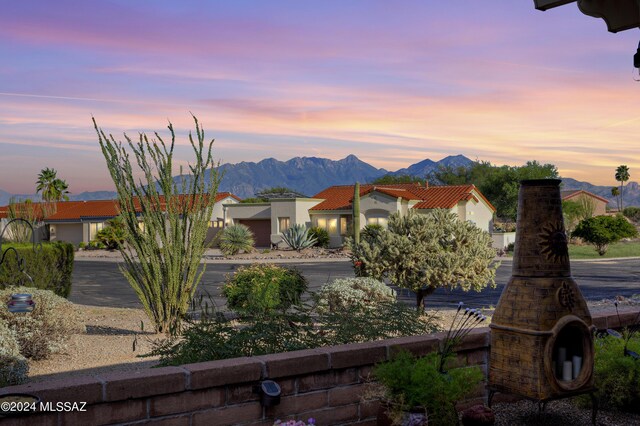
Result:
[
  {"x": 106, "y": 346},
  {"x": 558, "y": 413}
]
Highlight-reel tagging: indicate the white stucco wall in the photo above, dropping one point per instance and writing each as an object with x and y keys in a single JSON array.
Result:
[
  {"x": 69, "y": 232},
  {"x": 479, "y": 213},
  {"x": 218, "y": 210},
  {"x": 247, "y": 211},
  {"x": 502, "y": 239},
  {"x": 374, "y": 203},
  {"x": 296, "y": 209}
]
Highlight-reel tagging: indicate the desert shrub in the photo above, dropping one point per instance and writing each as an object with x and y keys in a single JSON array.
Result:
[
  {"x": 604, "y": 230},
  {"x": 371, "y": 232},
  {"x": 345, "y": 292},
  {"x": 13, "y": 366},
  {"x": 409, "y": 382},
  {"x": 47, "y": 328},
  {"x": 632, "y": 213},
  {"x": 113, "y": 235},
  {"x": 82, "y": 245},
  {"x": 263, "y": 288},
  {"x": 617, "y": 377},
  {"x": 321, "y": 236},
  {"x": 359, "y": 323},
  {"x": 50, "y": 266},
  {"x": 300, "y": 327},
  {"x": 236, "y": 238},
  {"x": 297, "y": 237}
]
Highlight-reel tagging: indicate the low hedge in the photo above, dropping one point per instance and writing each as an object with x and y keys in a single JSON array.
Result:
[{"x": 49, "y": 265}]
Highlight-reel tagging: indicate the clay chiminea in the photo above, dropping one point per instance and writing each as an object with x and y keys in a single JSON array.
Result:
[{"x": 541, "y": 331}]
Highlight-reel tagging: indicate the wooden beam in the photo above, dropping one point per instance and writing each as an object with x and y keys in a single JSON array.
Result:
[{"x": 548, "y": 4}]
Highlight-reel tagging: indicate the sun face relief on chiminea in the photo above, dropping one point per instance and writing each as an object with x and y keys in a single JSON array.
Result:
[{"x": 541, "y": 330}]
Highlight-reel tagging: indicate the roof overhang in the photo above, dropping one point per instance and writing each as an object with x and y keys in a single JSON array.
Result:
[{"x": 619, "y": 15}]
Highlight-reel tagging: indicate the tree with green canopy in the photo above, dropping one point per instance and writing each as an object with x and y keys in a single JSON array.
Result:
[
  {"x": 500, "y": 184},
  {"x": 604, "y": 230}
]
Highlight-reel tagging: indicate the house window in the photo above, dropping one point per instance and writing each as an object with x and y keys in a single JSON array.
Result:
[
  {"x": 94, "y": 228},
  {"x": 216, "y": 223},
  {"x": 331, "y": 225},
  {"x": 283, "y": 223},
  {"x": 344, "y": 224},
  {"x": 382, "y": 221}
]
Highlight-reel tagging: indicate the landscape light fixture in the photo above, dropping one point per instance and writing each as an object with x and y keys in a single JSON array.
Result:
[
  {"x": 21, "y": 302},
  {"x": 269, "y": 392}
]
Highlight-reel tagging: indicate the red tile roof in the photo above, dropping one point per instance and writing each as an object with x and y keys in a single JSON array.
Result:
[
  {"x": 430, "y": 197},
  {"x": 77, "y": 210}
]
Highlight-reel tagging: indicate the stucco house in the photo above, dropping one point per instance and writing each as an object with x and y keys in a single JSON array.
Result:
[
  {"x": 331, "y": 209},
  {"x": 581, "y": 196},
  {"x": 80, "y": 221}
]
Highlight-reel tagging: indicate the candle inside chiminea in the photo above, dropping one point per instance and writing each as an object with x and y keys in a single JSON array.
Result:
[
  {"x": 567, "y": 371},
  {"x": 562, "y": 357},
  {"x": 577, "y": 366}
]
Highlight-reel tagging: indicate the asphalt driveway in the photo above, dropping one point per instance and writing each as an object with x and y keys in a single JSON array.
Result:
[{"x": 100, "y": 283}]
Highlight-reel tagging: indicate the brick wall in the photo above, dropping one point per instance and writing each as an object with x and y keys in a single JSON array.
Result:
[{"x": 325, "y": 383}]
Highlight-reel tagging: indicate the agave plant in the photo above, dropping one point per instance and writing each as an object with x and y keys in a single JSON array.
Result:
[
  {"x": 236, "y": 238},
  {"x": 297, "y": 237}
]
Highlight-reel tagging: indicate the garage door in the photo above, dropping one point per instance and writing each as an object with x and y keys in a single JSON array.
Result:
[{"x": 261, "y": 231}]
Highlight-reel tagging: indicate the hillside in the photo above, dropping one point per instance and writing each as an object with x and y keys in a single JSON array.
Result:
[{"x": 310, "y": 175}]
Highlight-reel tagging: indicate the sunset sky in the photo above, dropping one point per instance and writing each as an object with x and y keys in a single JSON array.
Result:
[{"x": 391, "y": 82}]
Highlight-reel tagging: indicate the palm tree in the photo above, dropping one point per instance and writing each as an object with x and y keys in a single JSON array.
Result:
[
  {"x": 52, "y": 188},
  {"x": 615, "y": 191},
  {"x": 622, "y": 175}
]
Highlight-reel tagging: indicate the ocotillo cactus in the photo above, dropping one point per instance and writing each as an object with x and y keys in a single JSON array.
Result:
[{"x": 356, "y": 213}]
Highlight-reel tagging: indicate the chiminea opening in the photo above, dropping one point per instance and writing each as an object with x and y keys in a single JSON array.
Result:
[{"x": 571, "y": 354}]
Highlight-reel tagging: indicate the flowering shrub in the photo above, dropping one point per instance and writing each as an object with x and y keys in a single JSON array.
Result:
[
  {"x": 310, "y": 422},
  {"x": 346, "y": 292},
  {"x": 47, "y": 328}
]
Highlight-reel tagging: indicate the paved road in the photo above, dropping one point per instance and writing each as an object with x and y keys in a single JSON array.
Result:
[{"x": 101, "y": 283}]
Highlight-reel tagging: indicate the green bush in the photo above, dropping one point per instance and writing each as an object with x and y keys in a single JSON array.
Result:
[
  {"x": 236, "y": 238},
  {"x": 263, "y": 288},
  {"x": 359, "y": 323},
  {"x": 409, "y": 382},
  {"x": 301, "y": 327},
  {"x": 632, "y": 213},
  {"x": 13, "y": 366},
  {"x": 113, "y": 235},
  {"x": 345, "y": 292},
  {"x": 604, "y": 230},
  {"x": 320, "y": 235},
  {"x": 50, "y": 267},
  {"x": 47, "y": 328},
  {"x": 617, "y": 377}
]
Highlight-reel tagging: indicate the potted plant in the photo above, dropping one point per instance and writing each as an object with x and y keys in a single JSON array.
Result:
[{"x": 420, "y": 391}]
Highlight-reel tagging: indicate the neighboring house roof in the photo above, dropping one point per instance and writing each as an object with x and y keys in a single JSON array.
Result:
[
  {"x": 568, "y": 194},
  {"x": 71, "y": 211},
  {"x": 428, "y": 197}
]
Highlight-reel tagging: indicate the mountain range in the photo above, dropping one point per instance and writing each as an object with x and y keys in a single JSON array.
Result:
[{"x": 310, "y": 175}]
